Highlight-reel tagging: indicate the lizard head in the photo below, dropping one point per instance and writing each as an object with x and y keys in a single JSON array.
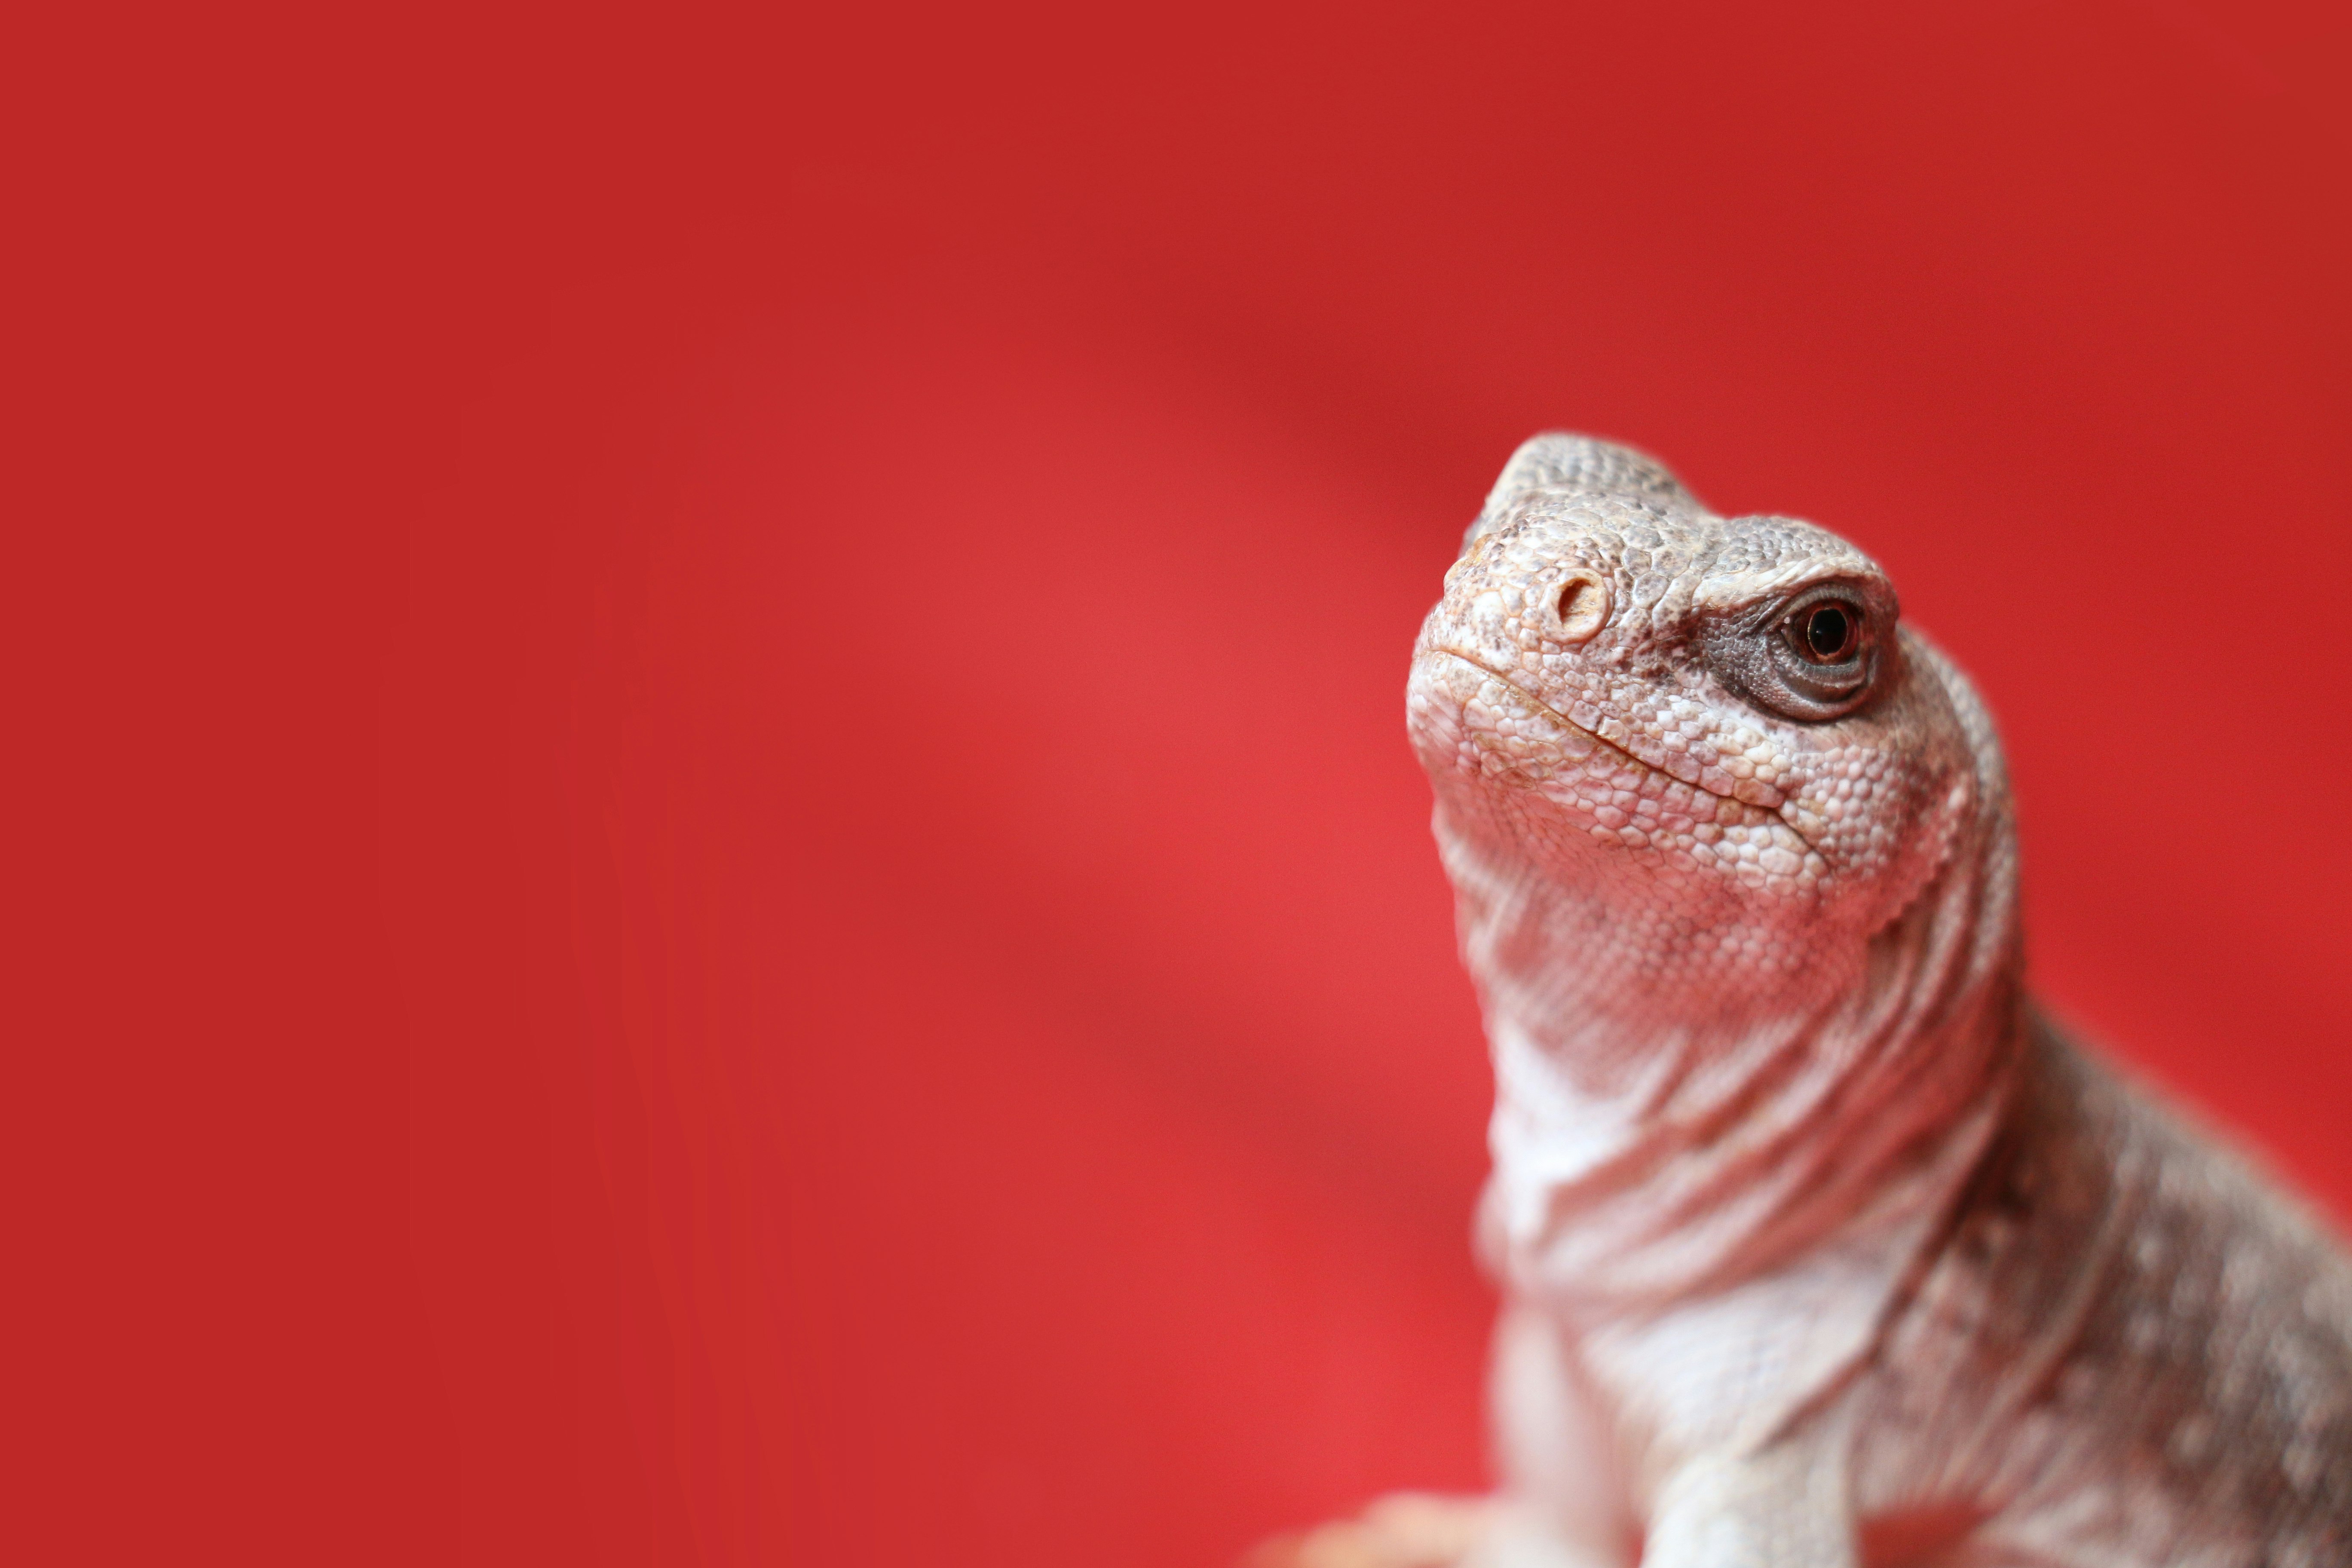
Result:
[{"x": 1706, "y": 747}]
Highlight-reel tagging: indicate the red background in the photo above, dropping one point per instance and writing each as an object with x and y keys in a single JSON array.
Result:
[{"x": 713, "y": 852}]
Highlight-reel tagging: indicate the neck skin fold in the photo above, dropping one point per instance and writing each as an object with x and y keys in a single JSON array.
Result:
[{"x": 1641, "y": 1167}]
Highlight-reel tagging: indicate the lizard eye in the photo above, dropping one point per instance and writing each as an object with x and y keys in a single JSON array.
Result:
[
  {"x": 1814, "y": 658},
  {"x": 1827, "y": 634}
]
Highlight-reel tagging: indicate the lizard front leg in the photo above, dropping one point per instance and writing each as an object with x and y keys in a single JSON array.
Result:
[
  {"x": 1783, "y": 1507},
  {"x": 1565, "y": 1499}
]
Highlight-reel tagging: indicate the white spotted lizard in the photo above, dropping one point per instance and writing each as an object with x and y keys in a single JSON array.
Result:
[{"x": 1819, "y": 1246}]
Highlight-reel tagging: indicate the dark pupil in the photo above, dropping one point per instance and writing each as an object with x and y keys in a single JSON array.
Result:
[{"x": 1828, "y": 630}]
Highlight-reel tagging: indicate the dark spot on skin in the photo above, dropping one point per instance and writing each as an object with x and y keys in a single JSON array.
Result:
[{"x": 1912, "y": 1539}]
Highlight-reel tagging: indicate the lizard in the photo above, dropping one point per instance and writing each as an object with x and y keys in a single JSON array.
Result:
[{"x": 1819, "y": 1245}]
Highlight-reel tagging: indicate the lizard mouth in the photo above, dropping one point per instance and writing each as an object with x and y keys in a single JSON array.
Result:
[{"x": 1539, "y": 705}]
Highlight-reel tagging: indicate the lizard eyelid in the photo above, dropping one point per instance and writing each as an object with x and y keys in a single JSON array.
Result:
[{"x": 1812, "y": 658}]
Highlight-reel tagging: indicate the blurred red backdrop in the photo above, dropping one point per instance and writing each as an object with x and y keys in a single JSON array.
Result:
[{"x": 714, "y": 852}]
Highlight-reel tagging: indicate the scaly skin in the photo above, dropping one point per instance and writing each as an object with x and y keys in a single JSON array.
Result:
[{"x": 1819, "y": 1246}]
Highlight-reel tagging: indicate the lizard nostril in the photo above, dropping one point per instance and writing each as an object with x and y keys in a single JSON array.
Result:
[{"x": 1579, "y": 606}]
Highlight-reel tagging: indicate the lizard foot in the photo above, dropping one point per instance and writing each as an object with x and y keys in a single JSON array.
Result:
[{"x": 1404, "y": 1529}]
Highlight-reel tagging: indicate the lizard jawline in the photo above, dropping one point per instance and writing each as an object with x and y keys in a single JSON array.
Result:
[{"x": 1548, "y": 711}]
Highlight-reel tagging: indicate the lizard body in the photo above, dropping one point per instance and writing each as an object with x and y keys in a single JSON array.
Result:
[{"x": 1819, "y": 1246}]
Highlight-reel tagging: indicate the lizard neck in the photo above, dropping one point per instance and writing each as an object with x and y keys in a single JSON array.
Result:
[{"x": 1640, "y": 1162}]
